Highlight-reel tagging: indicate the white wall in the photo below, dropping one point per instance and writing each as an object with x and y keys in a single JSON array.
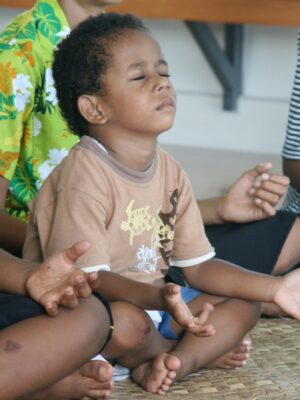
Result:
[{"x": 259, "y": 123}]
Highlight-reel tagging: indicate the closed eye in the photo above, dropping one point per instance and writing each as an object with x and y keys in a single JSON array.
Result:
[{"x": 138, "y": 78}]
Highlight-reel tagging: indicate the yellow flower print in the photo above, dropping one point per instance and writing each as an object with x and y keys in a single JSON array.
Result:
[
  {"x": 7, "y": 74},
  {"x": 26, "y": 52},
  {"x": 6, "y": 158}
]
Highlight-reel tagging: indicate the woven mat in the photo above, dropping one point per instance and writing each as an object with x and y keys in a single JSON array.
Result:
[{"x": 272, "y": 373}]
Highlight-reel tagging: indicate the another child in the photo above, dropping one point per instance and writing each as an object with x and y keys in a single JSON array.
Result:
[{"x": 134, "y": 203}]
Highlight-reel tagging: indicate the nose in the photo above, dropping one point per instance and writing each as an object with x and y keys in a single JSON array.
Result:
[{"x": 162, "y": 83}]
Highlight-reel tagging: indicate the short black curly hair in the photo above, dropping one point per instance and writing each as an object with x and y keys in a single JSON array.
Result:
[{"x": 81, "y": 60}]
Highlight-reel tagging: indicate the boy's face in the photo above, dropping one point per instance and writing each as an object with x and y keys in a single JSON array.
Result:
[{"x": 139, "y": 95}]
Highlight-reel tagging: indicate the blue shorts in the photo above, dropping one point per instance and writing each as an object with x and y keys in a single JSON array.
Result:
[{"x": 164, "y": 328}]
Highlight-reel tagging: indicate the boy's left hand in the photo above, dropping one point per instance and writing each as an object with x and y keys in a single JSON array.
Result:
[
  {"x": 57, "y": 281},
  {"x": 254, "y": 196},
  {"x": 180, "y": 312}
]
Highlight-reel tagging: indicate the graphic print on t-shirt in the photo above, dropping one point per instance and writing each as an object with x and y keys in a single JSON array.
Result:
[{"x": 157, "y": 230}]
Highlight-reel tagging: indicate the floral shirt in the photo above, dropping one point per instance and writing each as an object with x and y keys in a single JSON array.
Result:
[{"x": 34, "y": 136}]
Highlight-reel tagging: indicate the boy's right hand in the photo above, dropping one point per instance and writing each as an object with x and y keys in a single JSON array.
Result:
[
  {"x": 57, "y": 281},
  {"x": 178, "y": 309}
]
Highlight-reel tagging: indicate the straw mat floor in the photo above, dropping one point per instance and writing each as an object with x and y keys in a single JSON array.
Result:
[{"x": 273, "y": 372}]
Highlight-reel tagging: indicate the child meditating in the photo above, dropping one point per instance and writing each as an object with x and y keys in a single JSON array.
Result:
[{"x": 118, "y": 189}]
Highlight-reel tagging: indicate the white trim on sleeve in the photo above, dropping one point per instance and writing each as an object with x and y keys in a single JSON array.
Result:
[
  {"x": 193, "y": 261},
  {"x": 96, "y": 268}
]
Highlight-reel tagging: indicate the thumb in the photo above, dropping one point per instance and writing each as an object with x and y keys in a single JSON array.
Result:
[
  {"x": 260, "y": 169},
  {"x": 263, "y": 168},
  {"x": 77, "y": 250}
]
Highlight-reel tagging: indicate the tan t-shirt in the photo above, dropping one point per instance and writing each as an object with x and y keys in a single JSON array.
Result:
[{"x": 138, "y": 223}]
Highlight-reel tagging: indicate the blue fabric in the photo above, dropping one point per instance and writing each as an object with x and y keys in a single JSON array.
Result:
[{"x": 164, "y": 328}]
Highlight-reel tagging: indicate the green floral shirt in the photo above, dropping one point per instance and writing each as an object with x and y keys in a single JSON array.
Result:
[{"x": 34, "y": 137}]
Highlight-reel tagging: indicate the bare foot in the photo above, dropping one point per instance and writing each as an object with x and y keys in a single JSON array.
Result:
[
  {"x": 272, "y": 310},
  {"x": 235, "y": 358},
  {"x": 181, "y": 313},
  {"x": 92, "y": 381},
  {"x": 156, "y": 376}
]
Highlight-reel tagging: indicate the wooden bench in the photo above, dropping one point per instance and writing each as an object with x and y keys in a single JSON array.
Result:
[
  {"x": 227, "y": 64},
  {"x": 271, "y": 12}
]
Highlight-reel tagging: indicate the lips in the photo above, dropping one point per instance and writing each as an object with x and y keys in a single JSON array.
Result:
[{"x": 168, "y": 104}]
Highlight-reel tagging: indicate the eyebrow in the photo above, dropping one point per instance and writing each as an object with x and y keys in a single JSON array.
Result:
[{"x": 142, "y": 64}]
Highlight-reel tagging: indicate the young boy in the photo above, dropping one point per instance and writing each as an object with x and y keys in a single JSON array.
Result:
[
  {"x": 34, "y": 139},
  {"x": 134, "y": 202}
]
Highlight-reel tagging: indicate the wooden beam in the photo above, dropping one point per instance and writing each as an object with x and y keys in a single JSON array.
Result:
[{"x": 272, "y": 12}]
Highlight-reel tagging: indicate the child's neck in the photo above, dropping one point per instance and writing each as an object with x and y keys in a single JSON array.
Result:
[{"x": 135, "y": 154}]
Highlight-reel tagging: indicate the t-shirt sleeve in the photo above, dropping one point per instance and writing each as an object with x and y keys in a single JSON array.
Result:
[
  {"x": 16, "y": 103},
  {"x": 73, "y": 217},
  {"x": 291, "y": 147},
  {"x": 191, "y": 246}
]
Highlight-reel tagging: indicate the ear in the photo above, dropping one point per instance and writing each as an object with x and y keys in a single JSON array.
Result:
[{"x": 92, "y": 109}]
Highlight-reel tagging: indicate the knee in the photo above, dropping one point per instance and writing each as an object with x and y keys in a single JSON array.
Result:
[
  {"x": 95, "y": 322},
  {"x": 132, "y": 326}
]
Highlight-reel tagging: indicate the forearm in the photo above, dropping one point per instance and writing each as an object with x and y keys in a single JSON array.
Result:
[
  {"x": 115, "y": 287},
  {"x": 12, "y": 233},
  {"x": 227, "y": 280},
  {"x": 13, "y": 273},
  {"x": 210, "y": 210},
  {"x": 291, "y": 168}
]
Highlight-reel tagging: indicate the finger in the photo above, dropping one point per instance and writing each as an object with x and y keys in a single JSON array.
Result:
[
  {"x": 264, "y": 167},
  {"x": 202, "y": 330},
  {"x": 51, "y": 308},
  {"x": 69, "y": 298},
  {"x": 208, "y": 330},
  {"x": 261, "y": 178},
  {"x": 280, "y": 179},
  {"x": 78, "y": 249},
  {"x": 205, "y": 313},
  {"x": 271, "y": 198},
  {"x": 93, "y": 279},
  {"x": 271, "y": 186},
  {"x": 82, "y": 286},
  {"x": 266, "y": 207},
  {"x": 260, "y": 169},
  {"x": 172, "y": 288}
]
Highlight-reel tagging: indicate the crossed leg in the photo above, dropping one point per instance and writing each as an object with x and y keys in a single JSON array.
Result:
[
  {"x": 54, "y": 351},
  {"x": 226, "y": 348}
]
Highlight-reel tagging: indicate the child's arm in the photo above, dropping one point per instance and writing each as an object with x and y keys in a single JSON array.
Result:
[
  {"x": 149, "y": 297},
  {"x": 224, "y": 279},
  {"x": 254, "y": 196},
  {"x": 56, "y": 281}
]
